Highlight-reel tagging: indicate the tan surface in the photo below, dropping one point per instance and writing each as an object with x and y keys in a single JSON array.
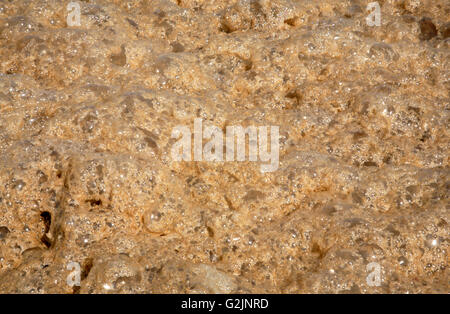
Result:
[{"x": 86, "y": 115}]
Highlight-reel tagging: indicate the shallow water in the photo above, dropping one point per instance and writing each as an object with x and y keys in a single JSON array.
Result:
[{"x": 87, "y": 176}]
